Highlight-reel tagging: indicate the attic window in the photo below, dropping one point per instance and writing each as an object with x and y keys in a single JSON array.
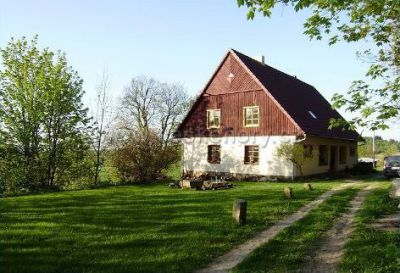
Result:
[
  {"x": 230, "y": 77},
  {"x": 312, "y": 114},
  {"x": 213, "y": 118}
]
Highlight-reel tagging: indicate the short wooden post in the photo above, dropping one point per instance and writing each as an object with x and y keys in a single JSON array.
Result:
[
  {"x": 395, "y": 191},
  {"x": 307, "y": 186},
  {"x": 288, "y": 191},
  {"x": 239, "y": 211}
]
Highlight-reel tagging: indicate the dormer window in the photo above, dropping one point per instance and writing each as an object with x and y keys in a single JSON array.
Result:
[
  {"x": 251, "y": 116},
  {"x": 213, "y": 118},
  {"x": 312, "y": 114}
]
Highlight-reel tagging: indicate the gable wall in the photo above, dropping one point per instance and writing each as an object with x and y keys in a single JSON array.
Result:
[{"x": 231, "y": 97}]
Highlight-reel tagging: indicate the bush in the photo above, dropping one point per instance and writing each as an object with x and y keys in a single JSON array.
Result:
[{"x": 142, "y": 156}]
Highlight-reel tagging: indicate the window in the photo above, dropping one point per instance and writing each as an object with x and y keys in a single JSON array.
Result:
[
  {"x": 213, "y": 118},
  {"x": 312, "y": 114},
  {"x": 214, "y": 154},
  {"x": 251, "y": 115},
  {"x": 352, "y": 151},
  {"x": 323, "y": 155},
  {"x": 342, "y": 155},
  {"x": 251, "y": 154},
  {"x": 308, "y": 151}
]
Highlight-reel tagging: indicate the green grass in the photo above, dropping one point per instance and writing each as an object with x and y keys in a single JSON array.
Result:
[
  {"x": 371, "y": 250},
  {"x": 135, "y": 228},
  {"x": 286, "y": 252}
]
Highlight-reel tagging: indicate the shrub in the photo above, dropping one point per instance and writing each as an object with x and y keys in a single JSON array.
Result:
[{"x": 142, "y": 156}]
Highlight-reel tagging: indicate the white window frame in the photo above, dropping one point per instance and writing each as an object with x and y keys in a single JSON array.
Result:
[
  {"x": 245, "y": 116},
  {"x": 211, "y": 112}
]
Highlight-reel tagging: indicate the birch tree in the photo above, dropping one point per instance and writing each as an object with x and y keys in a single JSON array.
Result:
[{"x": 102, "y": 119}]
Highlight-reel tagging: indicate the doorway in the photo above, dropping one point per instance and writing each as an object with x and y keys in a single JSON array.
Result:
[{"x": 333, "y": 162}]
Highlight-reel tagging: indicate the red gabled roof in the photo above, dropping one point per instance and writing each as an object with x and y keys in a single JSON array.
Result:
[{"x": 297, "y": 98}]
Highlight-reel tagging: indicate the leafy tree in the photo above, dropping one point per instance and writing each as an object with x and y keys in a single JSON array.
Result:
[
  {"x": 141, "y": 156},
  {"x": 43, "y": 122},
  {"x": 294, "y": 153},
  {"x": 353, "y": 21},
  {"x": 149, "y": 113},
  {"x": 22, "y": 84},
  {"x": 382, "y": 147}
]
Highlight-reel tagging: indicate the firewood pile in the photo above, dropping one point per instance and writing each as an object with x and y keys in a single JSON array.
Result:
[
  {"x": 217, "y": 184},
  {"x": 213, "y": 185}
]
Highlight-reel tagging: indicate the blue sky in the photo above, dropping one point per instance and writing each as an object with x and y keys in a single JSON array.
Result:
[{"x": 177, "y": 41}]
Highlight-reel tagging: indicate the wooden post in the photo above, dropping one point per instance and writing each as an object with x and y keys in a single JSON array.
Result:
[
  {"x": 288, "y": 191},
  {"x": 307, "y": 186},
  {"x": 395, "y": 192},
  {"x": 239, "y": 211}
]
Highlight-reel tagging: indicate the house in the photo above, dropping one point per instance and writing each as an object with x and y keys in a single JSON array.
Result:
[{"x": 246, "y": 110}]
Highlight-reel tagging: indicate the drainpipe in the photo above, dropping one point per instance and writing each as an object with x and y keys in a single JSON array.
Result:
[{"x": 302, "y": 139}]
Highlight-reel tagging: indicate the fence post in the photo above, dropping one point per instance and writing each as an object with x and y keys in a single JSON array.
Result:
[{"x": 239, "y": 211}]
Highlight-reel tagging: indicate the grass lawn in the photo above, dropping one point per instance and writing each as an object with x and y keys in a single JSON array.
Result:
[
  {"x": 135, "y": 228},
  {"x": 287, "y": 251},
  {"x": 372, "y": 250}
]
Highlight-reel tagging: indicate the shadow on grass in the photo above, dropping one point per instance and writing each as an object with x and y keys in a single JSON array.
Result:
[{"x": 135, "y": 228}]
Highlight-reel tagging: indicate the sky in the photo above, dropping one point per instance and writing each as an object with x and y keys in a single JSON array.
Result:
[{"x": 179, "y": 41}]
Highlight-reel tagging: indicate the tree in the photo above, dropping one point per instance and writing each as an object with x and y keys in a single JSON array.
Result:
[
  {"x": 43, "y": 122},
  {"x": 149, "y": 114},
  {"x": 172, "y": 106},
  {"x": 141, "y": 156},
  {"x": 102, "y": 122},
  {"x": 377, "y": 101},
  {"x": 139, "y": 103},
  {"x": 294, "y": 153},
  {"x": 150, "y": 104},
  {"x": 22, "y": 85}
]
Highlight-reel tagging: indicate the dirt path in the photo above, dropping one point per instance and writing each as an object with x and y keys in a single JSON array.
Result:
[
  {"x": 331, "y": 251},
  {"x": 232, "y": 258}
]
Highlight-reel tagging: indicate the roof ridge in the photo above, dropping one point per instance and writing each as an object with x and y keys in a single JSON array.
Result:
[{"x": 276, "y": 69}]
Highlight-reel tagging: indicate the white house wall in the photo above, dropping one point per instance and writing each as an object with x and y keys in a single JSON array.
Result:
[{"x": 232, "y": 155}]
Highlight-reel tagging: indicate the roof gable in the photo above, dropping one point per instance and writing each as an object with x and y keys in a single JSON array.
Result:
[
  {"x": 232, "y": 77},
  {"x": 298, "y": 99},
  {"x": 299, "y": 102}
]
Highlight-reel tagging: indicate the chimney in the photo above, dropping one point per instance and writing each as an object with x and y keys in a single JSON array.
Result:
[{"x": 260, "y": 58}]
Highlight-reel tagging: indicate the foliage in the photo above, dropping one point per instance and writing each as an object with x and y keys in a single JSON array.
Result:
[
  {"x": 149, "y": 113},
  {"x": 141, "y": 228},
  {"x": 43, "y": 124},
  {"x": 382, "y": 146},
  {"x": 141, "y": 157},
  {"x": 294, "y": 153},
  {"x": 378, "y": 100}
]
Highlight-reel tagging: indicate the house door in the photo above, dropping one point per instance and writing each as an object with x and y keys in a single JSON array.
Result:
[{"x": 333, "y": 162}]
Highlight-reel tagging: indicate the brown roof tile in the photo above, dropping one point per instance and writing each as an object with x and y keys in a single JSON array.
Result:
[{"x": 298, "y": 98}]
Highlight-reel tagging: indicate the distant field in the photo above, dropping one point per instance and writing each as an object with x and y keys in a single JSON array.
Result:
[{"x": 135, "y": 228}]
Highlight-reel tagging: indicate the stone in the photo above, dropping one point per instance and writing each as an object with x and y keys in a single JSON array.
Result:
[
  {"x": 307, "y": 186},
  {"x": 288, "y": 191},
  {"x": 239, "y": 211},
  {"x": 174, "y": 185}
]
